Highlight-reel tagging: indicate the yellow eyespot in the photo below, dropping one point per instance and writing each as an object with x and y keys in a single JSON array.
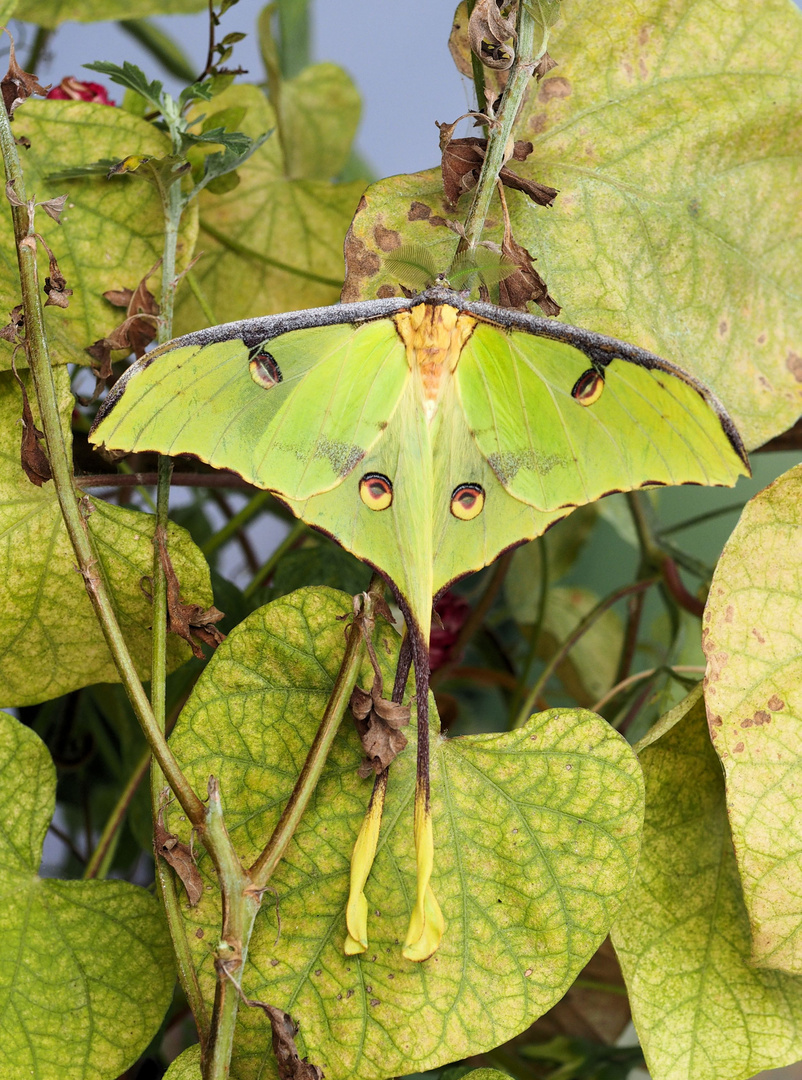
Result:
[
  {"x": 588, "y": 387},
  {"x": 376, "y": 491},
  {"x": 467, "y": 501},
  {"x": 264, "y": 369}
]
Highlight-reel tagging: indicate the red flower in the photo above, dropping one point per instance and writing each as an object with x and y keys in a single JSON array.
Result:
[
  {"x": 453, "y": 611},
  {"x": 72, "y": 89}
]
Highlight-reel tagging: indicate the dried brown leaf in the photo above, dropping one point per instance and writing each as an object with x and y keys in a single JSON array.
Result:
[
  {"x": 189, "y": 621},
  {"x": 34, "y": 460},
  {"x": 378, "y": 723},
  {"x": 542, "y": 194},
  {"x": 461, "y": 164},
  {"x": 544, "y": 65},
  {"x": 179, "y": 856},
  {"x": 17, "y": 85},
  {"x": 11, "y": 332},
  {"x": 489, "y": 30},
  {"x": 54, "y": 207},
  {"x": 290, "y": 1065},
  {"x": 525, "y": 284},
  {"x": 134, "y": 333}
]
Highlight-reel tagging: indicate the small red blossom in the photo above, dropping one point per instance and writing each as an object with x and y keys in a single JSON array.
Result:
[
  {"x": 72, "y": 89},
  {"x": 453, "y": 611}
]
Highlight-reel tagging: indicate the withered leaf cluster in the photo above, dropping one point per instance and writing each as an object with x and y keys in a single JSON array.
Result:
[
  {"x": 491, "y": 31},
  {"x": 17, "y": 85},
  {"x": 188, "y": 621},
  {"x": 134, "y": 333},
  {"x": 378, "y": 724},
  {"x": 34, "y": 460},
  {"x": 462, "y": 163},
  {"x": 178, "y": 855}
]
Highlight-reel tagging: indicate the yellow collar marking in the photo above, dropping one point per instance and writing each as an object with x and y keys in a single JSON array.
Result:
[{"x": 435, "y": 336}]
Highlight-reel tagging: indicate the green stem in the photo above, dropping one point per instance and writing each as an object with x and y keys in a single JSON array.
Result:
[
  {"x": 709, "y": 515},
  {"x": 43, "y": 35},
  {"x": 97, "y": 867},
  {"x": 74, "y": 512},
  {"x": 581, "y": 628},
  {"x": 292, "y": 538},
  {"x": 237, "y": 522},
  {"x": 501, "y": 131},
  {"x": 345, "y": 682}
]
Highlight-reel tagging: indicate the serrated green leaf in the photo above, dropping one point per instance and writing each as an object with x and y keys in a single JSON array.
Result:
[
  {"x": 754, "y": 700},
  {"x": 86, "y": 969},
  {"x": 52, "y": 642},
  {"x": 701, "y": 1008},
  {"x": 132, "y": 78},
  {"x": 111, "y": 231},
  {"x": 536, "y": 834},
  {"x": 272, "y": 244},
  {"x": 49, "y": 13},
  {"x": 671, "y": 134}
]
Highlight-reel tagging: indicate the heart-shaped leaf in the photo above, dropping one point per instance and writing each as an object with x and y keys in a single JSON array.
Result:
[
  {"x": 271, "y": 243},
  {"x": 754, "y": 701},
  {"x": 703, "y": 1011},
  {"x": 52, "y": 642},
  {"x": 111, "y": 231},
  {"x": 87, "y": 971},
  {"x": 536, "y": 834}
]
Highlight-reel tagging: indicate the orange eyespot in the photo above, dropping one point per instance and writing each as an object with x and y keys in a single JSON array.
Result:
[
  {"x": 467, "y": 501},
  {"x": 264, "y": 369},
  {"x": 376, "y": 491},
  {"x": 588, "y": 387}
]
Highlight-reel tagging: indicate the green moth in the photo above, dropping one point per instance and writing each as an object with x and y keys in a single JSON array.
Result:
[{"x": 425, "y": 435}]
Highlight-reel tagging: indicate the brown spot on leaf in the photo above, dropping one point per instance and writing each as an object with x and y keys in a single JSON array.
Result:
[
  {"x": 386, "y": 239},
  {"x": 556, "y": 87},
  {"x": 716, "y": 721},
  {"x": 758, "y": 635},
  {"x": 359, "y": 264},
  {"x": 794, "y": 364},
  {"x": 199, "y": 932},
  {"x": 538, "y": 123},
  {"x": 383, "y": 292},
  {"x": 418, "y": 211},
  {"x": 723, "y": 328},
  {"x": 762, "y": 717},
  {"x": 761, "y": 339},
  {"x": 776, "y": 703},
  {"x": 644, "y": 34},
  {"x": 738, "y": 748},
  {"x": 728, "y": 614},
  {"x": 748, "y": 722}
]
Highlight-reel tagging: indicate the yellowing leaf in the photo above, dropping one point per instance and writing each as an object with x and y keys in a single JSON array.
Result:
[
  {"x": 672, "y": 138},
  {"x": 186, "y": 1066},
  {"x": 87, "y": 971},
  {"x": 536, "y": 833},
  {"x": 272, "y": 243},
  {"x": 51, "y": 641},
  {"x": 111, "y": 231},
  {"x": 318, "y": 115},
  {"x": 754, "y": 701},
  {"x": 702, "y": 1010}
]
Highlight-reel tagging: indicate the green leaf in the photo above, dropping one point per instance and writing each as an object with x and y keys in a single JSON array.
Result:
[
  {"x": 318, "y": 117},
  {"x": 52, "y": 642},
  {"x": 589, "y": 669},
  {"x": 528, "y": 884},
  {"x": 187, "y": 1066},
  {"x": 272, "y": 244},
  {"x": 111, "y": 231},
  {"x": 321, "y": 563},
  {"x": 49, "y": 13},
  {"x": 87, "y": 971},
  {"x": 703, "y": 1011},
  {"x": 132, "y": 78},
  {"x": 485, "y": 1074},
  {"x": 754, "y": 701}
]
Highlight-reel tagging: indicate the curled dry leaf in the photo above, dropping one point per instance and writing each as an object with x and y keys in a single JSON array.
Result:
[
  {"x": 378, "y": 724},
  {"x": 58, "y": 295},
  {"x": 544, "y": 65},
  {"x": 462, "y": 161},
  {"x": 180, "y": 858},
  {"x": 489, "y": 30},
  {"x": 34, "y": 460},
  {"x": 525, "y": 284},
  {"x": 189, "y": 621},
  {"x": 11, "y": 332},
  {"x": 133, "y": 334},
  {"x": 290, "y": 1065},
  {"x": 17, "y": 85},
  {"x": 54, "y": 207}
]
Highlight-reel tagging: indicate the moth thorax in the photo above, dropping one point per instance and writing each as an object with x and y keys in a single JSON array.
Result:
[{"x": 434, "y": 335}]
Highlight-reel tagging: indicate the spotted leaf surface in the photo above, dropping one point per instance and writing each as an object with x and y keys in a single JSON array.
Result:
[
  {"x": 703, "y": 1011},
  {"x": 536, "y": 833},
  {"x": 754, "y": 701}
]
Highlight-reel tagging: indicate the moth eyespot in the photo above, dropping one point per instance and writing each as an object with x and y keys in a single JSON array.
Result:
[
  {"x": 376, "y": 491},
  {"x": 264, "y": 369},
  {"x": 467, "y": 501},
  {"x": 588, "y": 387}
]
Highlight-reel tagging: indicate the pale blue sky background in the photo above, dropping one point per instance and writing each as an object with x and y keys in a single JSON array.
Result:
[{"x": 407, "y": 77}]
